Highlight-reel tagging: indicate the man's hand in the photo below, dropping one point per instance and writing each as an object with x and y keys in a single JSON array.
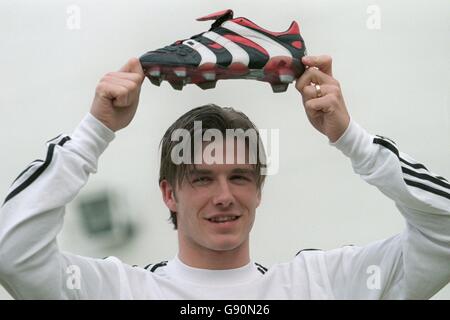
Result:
[
  {"x": 328, "y": 113},
  {"x": 117, "y": 95}
]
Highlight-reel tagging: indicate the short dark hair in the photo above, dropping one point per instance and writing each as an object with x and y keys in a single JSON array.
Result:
[{"x": 211, "y": 117}]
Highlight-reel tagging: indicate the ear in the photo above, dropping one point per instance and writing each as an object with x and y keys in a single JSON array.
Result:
[{"x": 168, "y": 195}]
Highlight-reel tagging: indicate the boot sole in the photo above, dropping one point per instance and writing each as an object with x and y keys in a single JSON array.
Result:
[{"x": 279, "y": 72}]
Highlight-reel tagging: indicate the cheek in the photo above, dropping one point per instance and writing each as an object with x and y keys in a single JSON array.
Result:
[
  {"x": 249, "y": 199},
  {"x": 190, "y": 203}
]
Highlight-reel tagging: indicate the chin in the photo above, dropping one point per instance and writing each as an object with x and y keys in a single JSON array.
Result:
[{"x": 226, "y": 245}]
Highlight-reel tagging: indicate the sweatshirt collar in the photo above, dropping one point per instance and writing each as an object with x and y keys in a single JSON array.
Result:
[{"x": 212, "y": 278}]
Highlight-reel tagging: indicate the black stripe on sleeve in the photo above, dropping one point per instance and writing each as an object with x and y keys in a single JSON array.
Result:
[
  {"x": 414, "y": 165},
  {"x": 386, "y": 138},
  {"x": 37, "y": 173},
  {"x": 387, "y": 145},
  {"x": 424, "y": 176},
  {"x": 427, "y": 177},
  {"x": 59, "y": 135},
  {"x": 427, "y": 188},
  {"x": 28, "y": 168},
  {"x": 307, "y": 250},
  {"x": 261, "y": 270},
  {"x": 156, "y": 266},
  {"x": 261, "y": 266},
  {"x": 393, "y": 148}
]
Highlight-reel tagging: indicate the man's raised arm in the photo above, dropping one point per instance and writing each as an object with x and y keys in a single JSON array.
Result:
[
  {"x": 414, "y": 264},
  {"x": 31, "y": 264}
]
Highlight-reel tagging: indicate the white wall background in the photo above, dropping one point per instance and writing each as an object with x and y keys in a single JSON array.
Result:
[{"x": 395, "y": 80}]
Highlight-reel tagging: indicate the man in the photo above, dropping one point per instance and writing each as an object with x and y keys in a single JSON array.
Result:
[{"x": 214, "y": 261}]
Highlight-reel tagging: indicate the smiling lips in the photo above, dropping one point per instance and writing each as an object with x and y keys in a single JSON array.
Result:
[{"x": 223, "y": 218}]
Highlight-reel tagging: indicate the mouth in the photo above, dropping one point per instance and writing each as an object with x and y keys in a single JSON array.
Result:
[{"x": 224, "y": 220}]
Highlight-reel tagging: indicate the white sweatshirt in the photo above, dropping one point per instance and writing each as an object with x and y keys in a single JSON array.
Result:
[{"x": 414, "y": 264}]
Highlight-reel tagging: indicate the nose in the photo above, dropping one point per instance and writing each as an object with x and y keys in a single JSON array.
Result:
[{"x": 223, "y": 196}]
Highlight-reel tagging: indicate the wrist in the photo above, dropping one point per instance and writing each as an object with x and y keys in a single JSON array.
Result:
[
  {"x": 102, "y": 129},
  {"x": 355, "y": 143},
  {"x": 337, "y": 134},
  {"x": 91, "y": 137},
  {"x": 98, "y": 116}
]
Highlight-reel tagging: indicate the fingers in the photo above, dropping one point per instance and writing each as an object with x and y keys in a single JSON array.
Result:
[
  {"x": 330, "y": 91},
  {"x": 121, "y": 91},
  {"x": 319, "y": 72},
  {"x": 315, "y": 76},
  {"x": 323, "y": 62},
  {"x": 310, "y": 92},
  {"x": 122, "y": 98},
  {"x": 117, "y": 93},
  {"x": 324, "y": 104},
  {"x": 123, "y": 86}
]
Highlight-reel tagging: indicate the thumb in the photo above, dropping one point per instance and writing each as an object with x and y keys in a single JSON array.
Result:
[{"x": 133, "y": 65}]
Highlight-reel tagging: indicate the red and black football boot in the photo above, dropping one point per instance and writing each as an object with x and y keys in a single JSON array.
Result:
[{"x": 231, "y": 49}]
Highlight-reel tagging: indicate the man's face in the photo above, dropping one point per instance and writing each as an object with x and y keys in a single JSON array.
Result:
[{"x": 210, "y": 193}]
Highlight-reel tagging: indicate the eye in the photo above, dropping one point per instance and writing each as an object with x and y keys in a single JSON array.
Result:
[
  {"x": 201, "y": 180},
  {"x": 239, "y": 178}
]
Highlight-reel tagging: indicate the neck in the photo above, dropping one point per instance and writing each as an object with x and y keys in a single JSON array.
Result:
[{"x": 196, "y": 256}]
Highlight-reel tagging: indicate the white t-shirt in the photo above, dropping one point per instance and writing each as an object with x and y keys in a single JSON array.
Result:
[{"x": 414, "y": 264}]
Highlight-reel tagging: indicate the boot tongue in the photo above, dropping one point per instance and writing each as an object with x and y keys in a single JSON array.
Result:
[{"x": 221, "y": 15}]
